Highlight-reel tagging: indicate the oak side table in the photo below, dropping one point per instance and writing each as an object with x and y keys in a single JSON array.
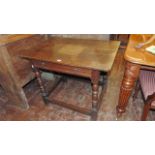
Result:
[{"x": 78, "y": 57}]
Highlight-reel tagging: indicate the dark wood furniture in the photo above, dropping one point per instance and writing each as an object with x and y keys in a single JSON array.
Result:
[
  {"x": 123, "y": 38},
  {"x": 146, "y": 83},
  {"x": 136, "y": 59},
  {"x": 85, "y": 58},
  {"x": 15, "y": 72}
]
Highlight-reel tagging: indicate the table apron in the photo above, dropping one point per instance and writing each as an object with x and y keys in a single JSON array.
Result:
[{"x": 60, "y": 68}]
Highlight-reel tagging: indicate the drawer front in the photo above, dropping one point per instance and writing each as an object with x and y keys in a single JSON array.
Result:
[{"x": 60, "y": 68}]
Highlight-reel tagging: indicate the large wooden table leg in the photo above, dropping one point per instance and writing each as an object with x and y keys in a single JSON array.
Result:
[
  {"x": 14, "y": 92},
  {"x": 95, "y": 92},
  {"x": 130, "y": 76},
  {"x": 10, "y": 81}
]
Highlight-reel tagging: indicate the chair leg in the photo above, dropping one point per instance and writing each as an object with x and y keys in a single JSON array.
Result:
[
  {"x": 147, "y": 106},
  {"x": 137, "y": 88},
  {"x": 146, "y": 109}
]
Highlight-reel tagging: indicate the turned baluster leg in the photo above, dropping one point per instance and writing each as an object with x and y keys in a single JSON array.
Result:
[
  {"x": 95, "y": 92},
  {"x": 130, "y": 76},
  {"x": 40, "y": 82}
]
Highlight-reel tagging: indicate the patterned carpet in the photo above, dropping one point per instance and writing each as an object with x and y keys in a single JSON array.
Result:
[{"x": 39, "y": 111}]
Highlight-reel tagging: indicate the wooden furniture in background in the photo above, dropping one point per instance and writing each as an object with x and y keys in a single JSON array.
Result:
[
  {"x": 14, "y": 72},
  {"x": 85, "y": 58},
  {"x": 136, "y": 59},
  {"x": 146, "y": 83},
  {"x": 123, "y": 38},
  {"x": 84, "y": 36}
]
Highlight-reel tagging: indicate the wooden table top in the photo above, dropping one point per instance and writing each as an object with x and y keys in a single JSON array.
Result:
[
  {"x": 94, "y": 54},
  {"x": 8, "y": 38},
  {"x": 139, "y": 56}
]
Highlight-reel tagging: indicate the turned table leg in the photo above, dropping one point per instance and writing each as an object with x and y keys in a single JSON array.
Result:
[
  {"x": 40, "y": 82},
  {"x": 95, "y": 92},
  {"x": 130, "y": 76}
]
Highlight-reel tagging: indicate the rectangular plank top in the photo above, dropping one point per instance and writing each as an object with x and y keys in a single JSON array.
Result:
[
  {"x": 139, "y": 56},
  {"x": 94, "y": 54}
]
